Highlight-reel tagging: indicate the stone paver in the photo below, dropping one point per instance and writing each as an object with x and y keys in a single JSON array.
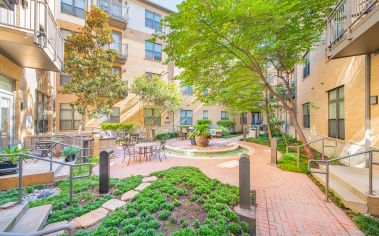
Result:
[
  {"x": 287, "y": 203},
  {"x": 149, "y": 179},
  {"x": 90, "y": 218},
  {"x": 129, "y": 195},
  {"x": 142, "y": 186},
  {"x": 113, "y": 204}
]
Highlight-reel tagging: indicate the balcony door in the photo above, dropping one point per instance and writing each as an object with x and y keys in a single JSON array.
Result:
[{"x": 6, "y": 119}]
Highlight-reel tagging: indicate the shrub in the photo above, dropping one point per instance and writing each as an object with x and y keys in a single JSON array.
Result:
[
  {"x": 230, "y": 124},
  {"x": 204, "y": 122},
  {"x": 163, "y": 215},
  {"x": 124, "y": 127},
  {"x": 165, "y": 136},
  {"x": 68, "y": 151}
]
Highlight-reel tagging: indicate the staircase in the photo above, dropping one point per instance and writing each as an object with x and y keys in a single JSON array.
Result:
[
  {"x": 350, "y": 184},
  {"x": 22, "y": 219}
]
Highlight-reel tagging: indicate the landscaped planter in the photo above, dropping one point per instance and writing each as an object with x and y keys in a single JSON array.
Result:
[
  {"x": 8, "y": 165},
  {"x": 202, "y": 141}
]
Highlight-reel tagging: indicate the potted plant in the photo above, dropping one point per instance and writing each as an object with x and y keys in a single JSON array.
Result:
[
  {"x": 191, "y": 136},
  {"x": 202, "y": 135},
  {"x": 11, "y": 161},
  {"x": 70, "y": 153}
]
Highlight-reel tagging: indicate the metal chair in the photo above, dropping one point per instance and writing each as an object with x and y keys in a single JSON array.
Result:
[
  {"x": 156, "y": 152},
  {"x": 130, "y": 150}
]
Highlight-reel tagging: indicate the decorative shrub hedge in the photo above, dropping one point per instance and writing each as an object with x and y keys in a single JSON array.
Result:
[
  {"x": 124, "y": 127},
  {"x": 204, "y": 122},
  {"x": 227, "y": 123},
  {"x": 165, "y": 136}
]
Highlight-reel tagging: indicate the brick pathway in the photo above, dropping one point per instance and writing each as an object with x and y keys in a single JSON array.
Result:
[{"x": 287, "y": 203}]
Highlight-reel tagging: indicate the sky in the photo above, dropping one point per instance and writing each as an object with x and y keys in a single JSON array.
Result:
[{"x": 170, "y": 4}]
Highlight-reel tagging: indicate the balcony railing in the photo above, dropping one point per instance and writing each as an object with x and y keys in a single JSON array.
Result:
[
  {"x": 115, "y": 10},
  {"x": 37, "y": 19},
  {"x": 345, "y": 15},
  {"x": 121, "y": 50}
]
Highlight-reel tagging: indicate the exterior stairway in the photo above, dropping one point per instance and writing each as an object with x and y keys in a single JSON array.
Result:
[
  {"x": 22, "y": 219},
  {"x": 350, "y": 184}
]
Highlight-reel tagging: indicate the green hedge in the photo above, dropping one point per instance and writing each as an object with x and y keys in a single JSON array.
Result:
[
  {"x": 204, "y": 122},
  {"x": 227, "y": 123},
  {"x": 165, "y": 136},
  {"x": 117, "y": 126}
]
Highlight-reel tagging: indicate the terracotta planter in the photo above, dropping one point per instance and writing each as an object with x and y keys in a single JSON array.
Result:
[{"x": 202, "y": 141}]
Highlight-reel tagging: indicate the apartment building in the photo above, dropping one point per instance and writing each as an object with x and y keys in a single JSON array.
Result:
[
  {"x": 133, "y": 22},
  {"x": 338, "y": 84},
  {"x": 31, "y": 57}
]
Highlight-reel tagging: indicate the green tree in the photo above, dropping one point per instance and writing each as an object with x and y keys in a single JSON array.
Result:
[
  {"x": 156, "y": 94},
  {"x": 89, "y": 64},
  {"x": 220, "y": 38}
]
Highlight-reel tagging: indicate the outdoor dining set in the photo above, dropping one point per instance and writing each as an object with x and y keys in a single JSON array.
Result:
[{"x": 140, "y": 147}]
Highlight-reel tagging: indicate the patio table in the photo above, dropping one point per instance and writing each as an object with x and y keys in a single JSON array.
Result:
[
  {"x": 46, "y": 148},
  {"x": 143, "y": 148}
]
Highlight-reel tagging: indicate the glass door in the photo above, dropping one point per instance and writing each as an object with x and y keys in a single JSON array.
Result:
[{"x": 6, "y": 119}]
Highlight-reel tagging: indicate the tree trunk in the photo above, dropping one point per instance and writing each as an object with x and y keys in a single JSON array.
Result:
[
  {"x": 300, "y": 133},
  {"x": 83, "y": 121},
  {"x": 267, "y": 105}
]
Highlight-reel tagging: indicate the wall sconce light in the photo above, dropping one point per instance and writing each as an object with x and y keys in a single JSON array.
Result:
[
  {"x": 23, "y": 105},
  {"x": 373, "y": 100}
]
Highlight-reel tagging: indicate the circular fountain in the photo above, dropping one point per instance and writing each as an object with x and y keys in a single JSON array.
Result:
[{"x": 218, "y": 148}]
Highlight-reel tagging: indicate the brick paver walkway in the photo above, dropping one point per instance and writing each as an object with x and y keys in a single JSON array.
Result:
[{"x": 287, "y": 203}]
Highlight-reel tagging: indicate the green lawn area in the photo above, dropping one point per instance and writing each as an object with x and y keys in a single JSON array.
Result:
[
  {"x": 288, "y": 161},
  {"x": 183, "y": 201}
]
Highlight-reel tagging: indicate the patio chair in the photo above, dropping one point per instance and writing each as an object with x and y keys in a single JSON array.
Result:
[
  {"x": 130, "y": 151},
  {"x": 134, "y": 138},
  {"x": 156, "y": 151}
]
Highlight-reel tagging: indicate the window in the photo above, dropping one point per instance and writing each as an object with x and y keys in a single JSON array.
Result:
[
  {"x": 205, "y": 115},
  {"x": 224, "y": 115},
  {"x": 150, "y": 75},
  {"x": 336, "y": 128},
  {"x": 152, "y": 20},
  {"x": 256, "y": 118},
  {"x": 73, "y": 7},
  {"x": 115, "y": 115},
  {"x": 244, "y": 118},
  {"x": 307, "y": 65},
  {"x": 64, "y": 79},
  {"x": 70, "y": 119},
  {"x": 186, "y": 117},
  {"x": 116, "y": 70},
  {"x": 152, "y": 117},
  {"x": 117, "y": 42},
  {"x": 42, "y": 113},
  {"x": 306, "y": 116},
  {"x": 153, "y": 51},
  {"x": 186, "y": 90}
]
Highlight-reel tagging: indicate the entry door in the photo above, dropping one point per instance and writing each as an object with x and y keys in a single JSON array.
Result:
[{"x": 6, "y": 119}]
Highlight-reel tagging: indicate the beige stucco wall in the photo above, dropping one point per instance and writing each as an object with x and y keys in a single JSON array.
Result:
[{"x": 328, "y": 74}]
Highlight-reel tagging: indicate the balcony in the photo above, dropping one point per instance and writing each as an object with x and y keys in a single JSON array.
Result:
[
  {"x": 121, "y": 51},
  {"x": 30, "y": 36},
  {"x": 118, "y": 12},
  {"x": 353, "y": 28}
]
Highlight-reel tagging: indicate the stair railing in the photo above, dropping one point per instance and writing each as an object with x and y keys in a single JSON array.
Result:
[
  {"x": 19, "y": 168},
  {"x": 67, "y": 227},
  {"x": 327, "y": 172},
  {"x": 323, "y": 146}
]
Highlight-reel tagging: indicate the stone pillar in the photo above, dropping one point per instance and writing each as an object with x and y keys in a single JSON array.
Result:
[
  {"x": 274, "y": 151},
  {"x": 104, "y": 171},
  {"x": 245, "y": 210}
]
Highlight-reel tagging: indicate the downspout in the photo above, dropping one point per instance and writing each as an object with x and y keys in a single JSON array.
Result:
[{"x": 367, "y": 102}]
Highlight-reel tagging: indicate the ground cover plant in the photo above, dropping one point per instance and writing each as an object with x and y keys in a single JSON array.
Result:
[
  {"x": 183, "y": 201},
  {"x": 85, "y": 197}
]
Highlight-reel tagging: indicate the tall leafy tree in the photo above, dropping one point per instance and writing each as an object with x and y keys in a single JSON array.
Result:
[
  {"x": 214, "y": 39},
  {"x": 89, "y": 61},
  {"x": 156, "y": 94}
]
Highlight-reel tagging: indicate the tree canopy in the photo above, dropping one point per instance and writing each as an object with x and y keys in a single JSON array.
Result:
[
  {"x": 89, "y": 63},
  {"x": 222, "y": 42}
]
